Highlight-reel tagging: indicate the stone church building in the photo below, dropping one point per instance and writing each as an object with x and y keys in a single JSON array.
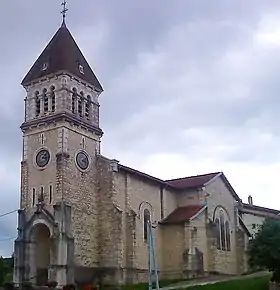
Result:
[{"x": 82, "y": 214}]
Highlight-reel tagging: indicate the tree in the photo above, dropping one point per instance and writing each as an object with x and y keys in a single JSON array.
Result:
[
  {"x": 2, "y": 271},
  {"x": 264, "y": 248}
]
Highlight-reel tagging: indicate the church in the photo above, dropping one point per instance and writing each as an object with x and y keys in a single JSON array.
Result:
[{"x": 83, "y": 215}]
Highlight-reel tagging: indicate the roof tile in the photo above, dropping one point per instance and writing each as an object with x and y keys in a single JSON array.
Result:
[{"x": 182, "y": 214}]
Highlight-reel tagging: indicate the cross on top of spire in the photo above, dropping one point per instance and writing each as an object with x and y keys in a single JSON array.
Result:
[{"x": 64, "y": 11}]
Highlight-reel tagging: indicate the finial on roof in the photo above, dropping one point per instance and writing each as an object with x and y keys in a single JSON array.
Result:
[{"x": 64, "y": 11}]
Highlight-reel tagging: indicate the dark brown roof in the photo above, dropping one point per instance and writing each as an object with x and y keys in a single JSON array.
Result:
[
  {"x": 192, "y": 181},
  {"x": 182, "y": 214},
  {"x": 62, "y": 54},
  {"x": 143, "y": 175}
]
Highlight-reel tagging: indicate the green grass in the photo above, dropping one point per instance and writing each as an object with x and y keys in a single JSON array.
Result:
[
  {"x": 258, "y": 283},
  {"x": 144, "y": 286}
]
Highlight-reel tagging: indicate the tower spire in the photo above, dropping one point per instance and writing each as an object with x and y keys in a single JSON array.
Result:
[{"x": 64, "y": 11}]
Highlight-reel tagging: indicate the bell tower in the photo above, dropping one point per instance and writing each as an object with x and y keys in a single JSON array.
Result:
[
  {"x": 57, "y": 223},
  {"x": 62, "y": 99}
]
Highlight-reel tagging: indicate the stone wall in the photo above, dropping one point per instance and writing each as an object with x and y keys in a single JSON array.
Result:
[
  {"x": 169, "y": 201},
  {"x": 198, "y": 239},
  {"x": 188, "y": 197},
  {"x": 175, "y": 244},
  {"x": 211, "y": 246},
  {"x": 136, "y": 194},
  {"x": 241, "y": 243},
  {"x": 221, "y": 197},
  {"x": 110, "y": 225},
  {"x": 77, "y": 188}
]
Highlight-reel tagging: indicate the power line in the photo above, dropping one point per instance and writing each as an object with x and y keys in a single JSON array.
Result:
[
  {"x": 7, "y": 213},
  {"x": 7, "y": 239}
]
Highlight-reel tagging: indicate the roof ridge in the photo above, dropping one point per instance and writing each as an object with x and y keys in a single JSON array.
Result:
[{"x": 193, "y": 176}]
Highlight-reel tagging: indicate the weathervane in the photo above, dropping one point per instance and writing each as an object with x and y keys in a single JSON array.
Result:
[{"x": 64, "y": 10}]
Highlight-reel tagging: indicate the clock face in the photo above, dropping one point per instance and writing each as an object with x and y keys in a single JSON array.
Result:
[
  {"x": 42, "y": 158},
  {"x": 82, "y": 160}
]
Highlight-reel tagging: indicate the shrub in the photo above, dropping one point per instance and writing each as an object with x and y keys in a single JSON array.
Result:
[
  {"x": 8, "y": 286},
  {"x": 26, "y": 285},
  {"x": 263, "y": 250},
  {"x": 52, "y": 284}
]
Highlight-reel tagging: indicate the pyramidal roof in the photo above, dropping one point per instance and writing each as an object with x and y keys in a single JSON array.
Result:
[{"x": 62, "y": 54}]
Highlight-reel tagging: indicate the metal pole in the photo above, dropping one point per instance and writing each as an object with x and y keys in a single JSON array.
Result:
[
  {"x": 154, "y": 257},
  {"x": 149, "y": 255}
]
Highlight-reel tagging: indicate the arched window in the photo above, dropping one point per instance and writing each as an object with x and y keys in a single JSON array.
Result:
[
  {"x": 46, "y": 100},
  {"x": 222, "y": 230},
  {"x": 37, "y": 101},
  {"x": 147, "y": 218},
  {"x": 53, "y": 98},
  {"x": 74, "y": 98}
]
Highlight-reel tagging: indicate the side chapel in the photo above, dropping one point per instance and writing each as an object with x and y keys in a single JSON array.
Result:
[{"x": 82, "y": 214}]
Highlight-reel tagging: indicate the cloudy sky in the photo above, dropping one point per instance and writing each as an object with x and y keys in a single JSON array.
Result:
[{"x": 190, "y": 87}]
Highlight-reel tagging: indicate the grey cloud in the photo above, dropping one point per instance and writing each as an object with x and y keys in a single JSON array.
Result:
[{"x": 7, "y": 237}]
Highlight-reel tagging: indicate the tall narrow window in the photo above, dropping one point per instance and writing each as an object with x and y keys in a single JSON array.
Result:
[
  {"x": 227, "y": 235},
  {"x": 80, "y": 104},
  {"x": 53, "y": 98},
  {"x": 80, "y": 107},
  {"x": 46, "y": 101},
  {"x": 223, "y": 233},
  {"x": 88, "y": 104},
  {"x": 218, "y": 233},
  {"x": 147, "y": 218},
  {"x": 38, "y": 104},
  {"x": 50, "y": 197},
  {"x": 33, "y": 196},
  {"x": 42, "y": 139},
  {"x": 83, "y": 143},
  {"x": 74, "y": 98}
]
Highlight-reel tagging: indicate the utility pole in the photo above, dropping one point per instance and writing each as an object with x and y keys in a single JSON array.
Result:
[{"x": 151, "y": 256}]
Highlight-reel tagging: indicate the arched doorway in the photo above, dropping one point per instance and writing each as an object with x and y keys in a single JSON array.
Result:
[{"x": 40, "y": 237}]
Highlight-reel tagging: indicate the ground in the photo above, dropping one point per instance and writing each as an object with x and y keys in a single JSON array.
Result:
[{"x": 212, "y": 280}]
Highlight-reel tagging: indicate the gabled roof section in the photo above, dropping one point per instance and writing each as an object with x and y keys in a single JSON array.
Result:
[
  {"x": 183, "y": 214},
  {"x": 243, "y": 226},
  {"x": 198, "y": 181},
  {"x": 192, "y": 181},
  {"x": 263, "y": 211},
  {"x": 143, "y": 175},
  {"x": 62, "y": 54}
]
